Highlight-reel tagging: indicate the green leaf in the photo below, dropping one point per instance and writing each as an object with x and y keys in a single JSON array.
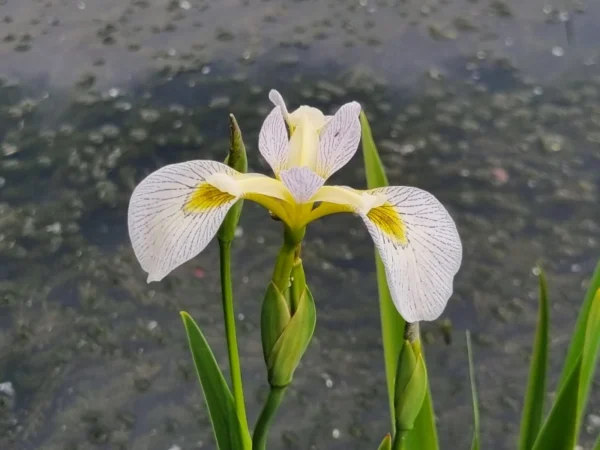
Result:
[
  {"x": 392, "y": 324},
  {"x": 375, "y": 171},
  {"x": 578, "y": 338},
  {"x": 475, "y": 445},
  {"x": 533, "y": 409},
  {"x": 423, "y": 436},
  {"x": 229, "y": 433},
  {"x": 597, "y": 444},
  {"x": 589, "y": 356},
  {"x": 559, "y": 432},
  {"x": 386, "y": 444}
]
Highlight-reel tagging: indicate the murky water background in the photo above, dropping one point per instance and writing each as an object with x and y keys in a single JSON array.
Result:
[{"x": 494, "y": 106}]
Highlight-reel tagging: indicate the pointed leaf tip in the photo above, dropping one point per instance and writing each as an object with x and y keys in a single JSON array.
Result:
[
  {"x": 386, "y": 444},
  {"x": 229, "y": 433},
  {"x": 533, "y": 409},
  {"x": 475, "y": 445}
]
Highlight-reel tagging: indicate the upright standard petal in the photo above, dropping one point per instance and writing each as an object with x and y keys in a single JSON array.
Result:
[
  {"x": 174, "y": 213},
  {"x": 278, "y": 100},
  {"x": 339, "y": 140},
  {"x": 420, "y": 249},
  {"x": 273, "y": 140},
  {"x": 302, "y": 183}
]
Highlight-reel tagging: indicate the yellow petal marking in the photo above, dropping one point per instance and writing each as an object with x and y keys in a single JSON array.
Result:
[
  {"x": 206, "y": 197},
  {"x": 388, "y": 220},
  {"x": 220, "y": 188},
  {"x": 373, "y": 205}
]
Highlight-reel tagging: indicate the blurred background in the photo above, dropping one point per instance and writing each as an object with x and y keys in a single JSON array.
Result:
[{"x": 491, "y": 105}]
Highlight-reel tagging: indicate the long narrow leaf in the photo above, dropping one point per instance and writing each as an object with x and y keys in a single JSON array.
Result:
[
  {"x": 226, "y": 425},
  {"x": 559, "y": 432},
  {"x": 597, "y": 444},
  {"x": 424, "y": 434},
  {"x": 578, "y": 338},
  {"x": 589, "y": 357},
  {"x": 533, "y": 408},
  {"x": 475, "y": 444},
  {"x": 392, "y": 324}
]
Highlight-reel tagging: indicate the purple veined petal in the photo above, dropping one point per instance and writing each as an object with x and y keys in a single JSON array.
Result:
[
  {"x": 339, "y": 140},
  {"x": 420, "y": 248},
  {"x": 301, "y": 182},
  {"x": 174, "y": 213},
  {"x": 278, "y": 100},
  {"x": 273, "y": 142}
]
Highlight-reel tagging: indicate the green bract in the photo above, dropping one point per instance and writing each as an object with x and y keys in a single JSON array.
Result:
[
  {"x": 237, "y": 160},
  {"x": 411, "y": 385},
  {"x": 286, "y": 333}
]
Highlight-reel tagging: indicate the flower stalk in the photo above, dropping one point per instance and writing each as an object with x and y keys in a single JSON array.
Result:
[
  {"x": 259, "y": 438},
  {"x": 288, "y": 320},
  {"x": 236, "y": 159}
]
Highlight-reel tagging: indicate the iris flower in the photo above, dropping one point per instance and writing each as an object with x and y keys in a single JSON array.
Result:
[{"x": 176, "y": 211}]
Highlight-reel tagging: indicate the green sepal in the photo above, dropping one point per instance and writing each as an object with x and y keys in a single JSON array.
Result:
[
  {"x": 386, "y": 444},
  {"x": 230, "y": 434},
  {"x": 237, "y": 160},
  {"x": 411, "y": 385}
]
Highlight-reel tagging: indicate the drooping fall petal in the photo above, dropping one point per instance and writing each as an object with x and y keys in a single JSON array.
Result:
[
  {"x": 174, "y": 213},
  {"x": 416, "y": 239}
]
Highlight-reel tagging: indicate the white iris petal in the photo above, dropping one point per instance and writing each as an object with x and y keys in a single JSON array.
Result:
[
  {"x": 164, "y": 232},
  {"x": 273, "y": 141},
  {"x": 420, "y": 272},
  {"x": 302, "y": 183}
]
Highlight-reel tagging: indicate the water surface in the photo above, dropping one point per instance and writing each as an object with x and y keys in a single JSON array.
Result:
[{"x": 492, "y": 106}]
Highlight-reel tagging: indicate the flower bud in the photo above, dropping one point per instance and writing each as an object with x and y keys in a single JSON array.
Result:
[
  {"x": 411, "y": 383},
  {"x": 286, "y": 334},
  {"x": 236, "y": 159}
]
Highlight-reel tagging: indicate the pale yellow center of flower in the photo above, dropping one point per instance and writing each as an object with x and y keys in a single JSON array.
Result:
[
  {"x": 305, "y": 124},
  {"x": 375, "y": 206},
  {"x": 225, "y": 183}
]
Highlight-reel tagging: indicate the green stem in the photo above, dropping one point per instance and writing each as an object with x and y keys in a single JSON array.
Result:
[
  {"x": 285, "y": 260},
  {"x": 259, "y": 438},
  {"x": 283, "y": 266},
  {"x": 232, "y": 346},
  {"x": 298, "y": 284},
  {"x": 398, "y": 443}
]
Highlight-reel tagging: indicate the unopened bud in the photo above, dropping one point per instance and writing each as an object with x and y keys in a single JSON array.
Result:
[
  {"x": 237, "y": 160},
  {"x": 286, "y": 334},
  {"x": 411, "y": 380}
]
